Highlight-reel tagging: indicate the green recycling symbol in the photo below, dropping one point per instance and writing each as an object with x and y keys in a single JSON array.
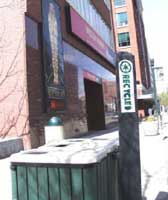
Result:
[{"x": 125, "y": 67}]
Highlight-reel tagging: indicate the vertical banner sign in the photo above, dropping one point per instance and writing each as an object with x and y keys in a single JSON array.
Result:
[
  {"x": 126, "y": 78},
  {"x": 53, "y": 55},
  {"x": 129, "y": 159}
]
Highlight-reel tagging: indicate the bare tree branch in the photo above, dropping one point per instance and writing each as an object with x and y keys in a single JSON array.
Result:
[
  {"x": 14, "y": 119},
  {"x": 12, "y": 65}
]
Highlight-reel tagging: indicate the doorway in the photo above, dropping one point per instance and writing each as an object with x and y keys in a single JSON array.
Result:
[{"x": 94, "y": 105}]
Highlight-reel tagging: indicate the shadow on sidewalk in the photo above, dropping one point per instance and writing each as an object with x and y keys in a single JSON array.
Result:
[{"x": 162, "y": 196}]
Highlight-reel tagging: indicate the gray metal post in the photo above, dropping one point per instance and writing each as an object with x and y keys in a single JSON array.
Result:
[
  {"x": 154, "y": 88},
  {"x": 129, "y": 167},
  {"x": 156, "y": 100}
]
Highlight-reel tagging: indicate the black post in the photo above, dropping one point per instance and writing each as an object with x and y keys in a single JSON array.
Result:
[{"x": 129, "y": 168}]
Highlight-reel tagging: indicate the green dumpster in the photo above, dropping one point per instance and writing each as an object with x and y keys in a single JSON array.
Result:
[{"x": 71, "y": 170}]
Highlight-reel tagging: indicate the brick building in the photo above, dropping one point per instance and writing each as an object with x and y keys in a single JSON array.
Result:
[
  {"x": 57, "y": 59},
  {"x": 130, "y": 37}
]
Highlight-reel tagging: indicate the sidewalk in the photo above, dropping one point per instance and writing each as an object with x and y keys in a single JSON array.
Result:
[
  {"x": 154, "y": 162},
  {"x": 5, "y": 180}
]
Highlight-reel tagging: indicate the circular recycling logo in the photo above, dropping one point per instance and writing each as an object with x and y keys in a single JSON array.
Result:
[{"x": 125, "y": 66}]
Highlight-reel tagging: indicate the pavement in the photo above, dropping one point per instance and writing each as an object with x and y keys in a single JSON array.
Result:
[
  {"x": 154, "y": 163},
  {"x": 5, "y": 180},
  {"x": 154, "y": 160}
]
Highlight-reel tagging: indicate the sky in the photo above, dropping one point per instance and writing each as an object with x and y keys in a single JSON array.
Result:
[{"x": 155, "y": 16}]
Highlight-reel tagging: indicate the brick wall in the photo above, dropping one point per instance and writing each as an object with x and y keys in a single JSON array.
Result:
[
  {"x": 35, "y": 78},
  {"x": 22, "y": 97},
  {"x": 74, "y": 118},
  {"x": 137, "y": 40},
  {"x": 13, "y": 86},
  {"x": 133, "y": 34}
]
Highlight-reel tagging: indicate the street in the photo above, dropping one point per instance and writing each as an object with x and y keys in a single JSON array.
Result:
[{"x": 154, "y": 165}]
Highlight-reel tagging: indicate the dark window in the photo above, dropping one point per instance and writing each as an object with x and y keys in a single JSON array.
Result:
[
  {"x": 123, "y": 39},
  {"x": 119, "y": 2},
  {"x": 31, "y": 33},
  {"x": 122, "y": 19}
]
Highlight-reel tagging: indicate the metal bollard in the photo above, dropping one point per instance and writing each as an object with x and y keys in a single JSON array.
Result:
[{"x": 54, "y": 130}]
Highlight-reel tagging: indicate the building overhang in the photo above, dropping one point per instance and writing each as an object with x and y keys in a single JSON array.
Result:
[{"x": 145, "y": 97}]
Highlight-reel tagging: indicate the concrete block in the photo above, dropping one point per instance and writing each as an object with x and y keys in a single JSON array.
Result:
[
  {"x": 54, "y": 133},
  {"x": 9, "y": 146}
]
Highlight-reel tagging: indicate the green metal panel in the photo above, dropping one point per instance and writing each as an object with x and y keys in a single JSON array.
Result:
[
  {"x": 14, "y": 183},
  {"x": 22, "y": 183},
  {"x": 99, "y": 182},
  {"x": 32, "y": 183},
  {"x": 114, "y": 177},
  {"x": 90, "y": 183},
  {"x": 42, "y": 183},
  {"x": 116, "y": 180},
  {"x": 54, "y": 184},
  {"x": 65, "y": 183},
  {"x": 77, "y": 186},
  {"x": 109, "y": 181},
  {"x": 103, "y": 179}
]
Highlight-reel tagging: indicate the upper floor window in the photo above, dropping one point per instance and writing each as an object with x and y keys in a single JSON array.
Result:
[
  {"x": 122, "y": 19},
  {"x": 119, "y": 3},
  {"x": 123, "y": 39},
  {"x": 90, "y": 14}
]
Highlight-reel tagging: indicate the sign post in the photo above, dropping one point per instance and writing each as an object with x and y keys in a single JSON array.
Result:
[{"x": 130, "y": 170}]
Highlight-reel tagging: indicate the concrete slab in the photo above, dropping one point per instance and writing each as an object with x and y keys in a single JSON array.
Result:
[{"x": 9, "y": 146}]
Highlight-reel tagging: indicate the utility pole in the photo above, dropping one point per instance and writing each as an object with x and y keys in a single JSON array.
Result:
[
  {"x": 156, "y": 100},
  {"x": 129, "y": 160},
  {"x": 154, "y": 82}
]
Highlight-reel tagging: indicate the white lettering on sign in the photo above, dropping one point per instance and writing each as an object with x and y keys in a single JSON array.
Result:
[{"x": 126, "y": 83}]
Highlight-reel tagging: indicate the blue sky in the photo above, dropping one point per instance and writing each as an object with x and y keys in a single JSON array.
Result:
[{"x": 155, "y": 16}]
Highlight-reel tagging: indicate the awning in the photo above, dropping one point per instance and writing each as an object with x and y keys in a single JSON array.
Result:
[{"x": 145, "y": 96}]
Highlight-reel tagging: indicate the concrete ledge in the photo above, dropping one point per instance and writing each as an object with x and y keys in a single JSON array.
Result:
[{"x": 10, "y": 146}]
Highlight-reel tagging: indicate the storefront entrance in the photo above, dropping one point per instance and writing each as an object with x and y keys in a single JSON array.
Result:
[{"x": 94, "y": 105}]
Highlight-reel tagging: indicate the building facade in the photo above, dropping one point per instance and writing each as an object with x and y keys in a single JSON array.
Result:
[
  {"x": 130, "y": 37},
  {"x": 58, "y": 60}
]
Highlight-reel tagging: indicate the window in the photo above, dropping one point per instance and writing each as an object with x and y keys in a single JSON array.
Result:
[
  {"x": 122, "y": 19},
  {"x": 123, "y": 39},
  {"x": 119, "y": 3},
  {"x": 31, "y": 33},
  {"x": 90, "y": 14}
]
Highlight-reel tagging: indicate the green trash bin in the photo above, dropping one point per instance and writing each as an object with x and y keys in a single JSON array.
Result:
[{"x": 73, "y": 171}]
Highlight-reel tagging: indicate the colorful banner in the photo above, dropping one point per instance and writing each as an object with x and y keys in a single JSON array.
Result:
[{"x": 53, "y": 53}]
